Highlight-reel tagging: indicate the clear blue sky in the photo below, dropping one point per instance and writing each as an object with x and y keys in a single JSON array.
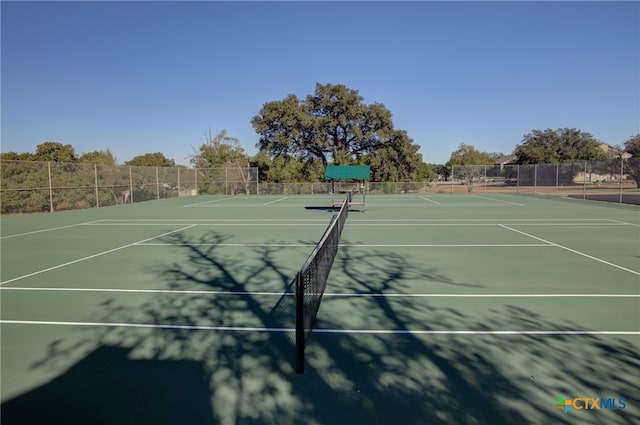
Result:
[{"x": 143, "y": 77}]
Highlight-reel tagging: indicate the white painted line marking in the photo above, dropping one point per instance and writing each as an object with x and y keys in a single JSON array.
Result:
[
  {"x": 328, "y": 294},
  {"x": 430, "y": 200},
  {"x": 323, "y": 331},
  {"x": 277, "y": 200},
  {"x": 208, "y": 202},
  {"x": 356, "y": 245},
  {"x": 499, "y": 200},
  {"x": 624, "y": 222},
  {"x": 47, "y": 230},
  {"x": 94, "y": 255},
  {"x": 573, "y": 250}
]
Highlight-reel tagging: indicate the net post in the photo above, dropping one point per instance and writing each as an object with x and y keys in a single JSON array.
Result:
[{"x": 299, "y": 324}]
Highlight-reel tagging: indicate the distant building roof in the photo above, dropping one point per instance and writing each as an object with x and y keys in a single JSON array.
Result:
[
  {"x": 503, "y": 160},
  {"x": 614, "y": 152}
]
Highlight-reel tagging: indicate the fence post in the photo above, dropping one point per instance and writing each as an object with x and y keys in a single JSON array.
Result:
[
  {"x": 95, "y": 175},
  {"x": 452, "y": 179},
  {"x": 130, "y": 185},
  {"x": 517, "y": 179},
  {"x": 620, "y": 179},
  {"x": 226, "y": 188},
  {"x": 535, "y": 178},
  {"x": 584, "y": 182},
  {"x": 485, "y": 179},
  {"x": 157, "y": 185},
  {"x": 195, "y": 172},
  {"x": 178, "y": 168},
  {"x": 50, "y": 188},
  {"x": 257, "y": 182},
  {"x": 557, "y": 178}
]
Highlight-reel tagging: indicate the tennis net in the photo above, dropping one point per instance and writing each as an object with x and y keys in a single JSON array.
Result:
[{"x": 311, "y": 280}]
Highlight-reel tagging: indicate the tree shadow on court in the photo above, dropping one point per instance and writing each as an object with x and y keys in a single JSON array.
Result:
[
  {"x": 109, "y": 387},
  {"x": 464, "y": 379},
  {"x": 241, "y": 338}
]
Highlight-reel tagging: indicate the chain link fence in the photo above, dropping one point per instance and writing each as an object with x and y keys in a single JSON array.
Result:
[
  {"x": 28, "y": 186},
  {"x": 578, "y": 179}
]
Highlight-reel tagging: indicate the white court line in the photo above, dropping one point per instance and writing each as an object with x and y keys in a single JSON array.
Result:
[
  {"x": 445, "y": 245},
  {"x": 623, "y": 222},
  {"x": 430, "y": 200},
  {"x": 328, "y": 294},
  {"x": 47, "y": 230},
  {"x": 350, "y": 223},
  {"x": 146, "y": 325},
  {"x": 573, "y": 250},
  {"x": 201, "y": 220},
  {"x": 277, "y": 200},
  {"x": 362, "y": 245},
  {"x": 356, "y": 221},
  {"x": 488, "y": 219},
  {"x": 160, "y": 223},
  {"x": 467, "y": 332},
  {"x": 147, "y": 291},
  {"x": 94, "y": 255},
  {"x": 499, "y": 200},
  {"x": 421, "y": 224},
  {"x": 324, "y": 331},
  {"x": 281, "y": 245},
  {"x": 208, "y": 202},
  {"x": 452, "y": 205}
]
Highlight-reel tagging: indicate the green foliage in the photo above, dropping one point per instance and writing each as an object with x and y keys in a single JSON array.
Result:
[
  {"x": 556, "y": 146},
  {"x": 219, "y": 151},
  {"x": 55, "y": 152},
  {"x": 469, "y": 155},
  {"x": 470, "y": 163},
  {"x": 156, "y": 159},
  {"x": 19, "y": 175},
  {"x": 334, "y": 126},
  {"x": 632, "y": 165},
  {"x": 98, "y": 157},
  {"x": 287, "y": 169},
  {"x": 632, "y": 145},
  {"x": 14, "y": 156},
  {"x": 425, "y": 173}
]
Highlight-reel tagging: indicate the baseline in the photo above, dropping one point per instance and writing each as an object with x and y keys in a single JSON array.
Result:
[
  {"x": 327, "y": 294},
  {"x": 324, "y": 331}
]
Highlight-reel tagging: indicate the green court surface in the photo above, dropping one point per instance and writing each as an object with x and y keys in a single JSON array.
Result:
[{"x": 440, "y": 309}]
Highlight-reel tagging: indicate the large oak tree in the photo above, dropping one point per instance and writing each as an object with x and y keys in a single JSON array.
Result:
[
  {"x": 334, "y": 125},
  {"x": 632, "y": 164},
  {"x": 557, "y": 146}
]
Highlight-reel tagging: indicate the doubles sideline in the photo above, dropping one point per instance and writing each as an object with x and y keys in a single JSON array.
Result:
[{"x": 323, "y": 331}]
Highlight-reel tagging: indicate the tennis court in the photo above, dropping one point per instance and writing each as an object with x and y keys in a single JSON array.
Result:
[{"x": 456, "y": 309}]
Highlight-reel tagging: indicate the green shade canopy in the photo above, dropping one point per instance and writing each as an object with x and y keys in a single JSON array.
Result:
[{"x": 347, "y": 172}]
